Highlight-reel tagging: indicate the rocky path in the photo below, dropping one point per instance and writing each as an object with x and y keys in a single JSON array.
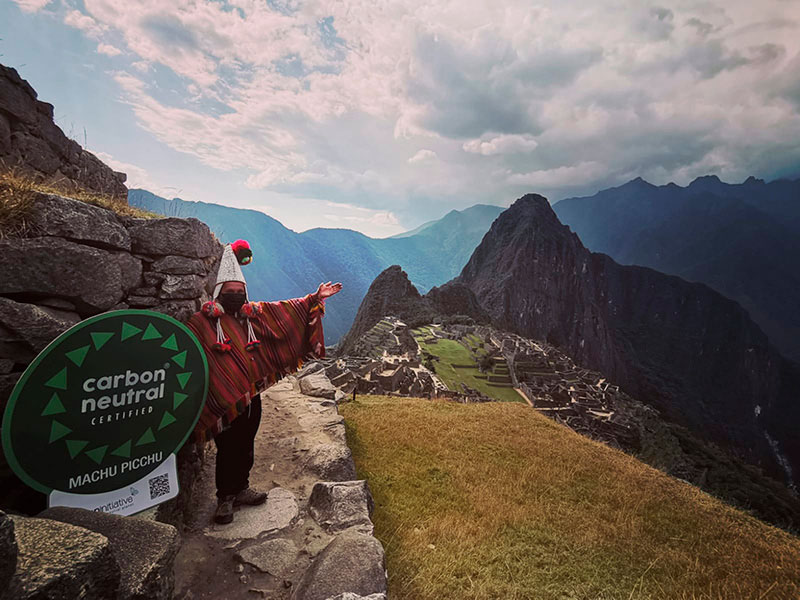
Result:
[{"x": 287, "y": 548}]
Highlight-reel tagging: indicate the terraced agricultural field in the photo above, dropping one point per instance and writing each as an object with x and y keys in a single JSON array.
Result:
[{"x": 456, "y": 365}]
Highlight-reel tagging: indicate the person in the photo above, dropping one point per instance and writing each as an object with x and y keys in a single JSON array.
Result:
[{"x": 249, "y": 346}]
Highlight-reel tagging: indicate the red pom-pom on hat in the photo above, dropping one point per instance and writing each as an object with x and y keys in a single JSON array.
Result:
[{"x": 242, "y": 251}]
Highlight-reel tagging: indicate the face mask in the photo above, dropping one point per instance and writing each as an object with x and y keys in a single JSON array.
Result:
[{"x": 232, "y": 301}]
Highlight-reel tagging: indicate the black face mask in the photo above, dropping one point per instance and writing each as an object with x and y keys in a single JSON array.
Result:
[{"x": 232, "y": 301}]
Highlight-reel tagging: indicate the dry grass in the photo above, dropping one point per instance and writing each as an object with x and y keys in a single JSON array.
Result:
[
  {"x": 494, "y": 501},
  {"x": 18, "y": 191}
]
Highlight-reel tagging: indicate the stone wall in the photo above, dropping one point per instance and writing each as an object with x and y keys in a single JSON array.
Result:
[
  {"x": 83, "y": 260},
  {"x": 32, "y": 143}
]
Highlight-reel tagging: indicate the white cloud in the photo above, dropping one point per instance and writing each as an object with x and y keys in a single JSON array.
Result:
[
  {"x": 137, "y": 176},
  {"x": 502, "y": 144},
  {"x": 324, "y": 213},
  {"x": 78, "y": 20},
  {"x": 108, "y": 49},
  {"x": 32, "y": 5},
  {"x": 423, "y": 156},
  {"x": 331, "y": 99},
  {"x": 566, "y": 176}
]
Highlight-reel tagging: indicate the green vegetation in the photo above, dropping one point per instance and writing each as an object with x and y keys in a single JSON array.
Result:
[
  {"x": 487, "y": 501},
  {"x": 455, "y": 365}
]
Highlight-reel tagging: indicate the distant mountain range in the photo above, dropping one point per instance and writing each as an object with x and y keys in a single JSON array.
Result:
[
  {"x": 743, "y": 240},
  {"x": 681, "y": 347},
  {"x": 288, "y": 264}
]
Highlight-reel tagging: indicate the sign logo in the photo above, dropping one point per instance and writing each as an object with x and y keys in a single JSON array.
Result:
[{"x": 106, "y": 403}]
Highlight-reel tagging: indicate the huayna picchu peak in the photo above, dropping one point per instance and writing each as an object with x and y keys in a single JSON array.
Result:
[{"x": 681, "y": 347}]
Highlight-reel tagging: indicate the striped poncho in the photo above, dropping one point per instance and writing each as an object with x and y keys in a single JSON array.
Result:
[{"x": 289, "y": 331}]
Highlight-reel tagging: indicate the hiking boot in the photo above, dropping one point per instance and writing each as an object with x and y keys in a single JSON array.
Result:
[
  {"x": 250, "y": 496},
  {"x": 224, "y": 513}
]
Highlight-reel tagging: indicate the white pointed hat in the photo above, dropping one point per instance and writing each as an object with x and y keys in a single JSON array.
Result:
[{"x": 229, "y": 266}]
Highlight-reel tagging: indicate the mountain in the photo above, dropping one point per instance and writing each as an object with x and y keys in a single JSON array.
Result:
[
  {"x": 288, "y": 264},
  {"x": 393, "y": 294},
  {"x": 742, "y": 240},
  {"x": 681, "y": 347}
]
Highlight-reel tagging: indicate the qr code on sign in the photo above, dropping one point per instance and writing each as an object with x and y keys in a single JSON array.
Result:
[{"x": 159, "y": 486}]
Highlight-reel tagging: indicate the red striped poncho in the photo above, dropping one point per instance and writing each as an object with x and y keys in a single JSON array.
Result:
[{"x": 290, "y": 331}]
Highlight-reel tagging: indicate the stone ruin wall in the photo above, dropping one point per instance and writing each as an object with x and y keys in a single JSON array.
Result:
[
  {"x": 83, "y": 260},
  {"x": 32, "y": 144}
]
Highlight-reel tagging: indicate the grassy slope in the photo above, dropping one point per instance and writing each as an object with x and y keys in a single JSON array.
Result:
[
  {"x": 452, "y": 353},
  {"x": 495, "y": 501}
]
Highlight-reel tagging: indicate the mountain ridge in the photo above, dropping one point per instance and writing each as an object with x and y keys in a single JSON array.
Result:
[
  {"x": 289, "y": 264},
  {"x": 743, "y": 240}
]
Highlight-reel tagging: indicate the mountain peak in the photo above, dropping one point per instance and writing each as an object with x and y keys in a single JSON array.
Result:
[
  {"x": 706, "y": 181},
  {"x": 637, "y": 184}
]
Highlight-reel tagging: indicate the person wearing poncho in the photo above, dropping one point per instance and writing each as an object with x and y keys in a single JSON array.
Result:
[{"x": 249, "y": 346}]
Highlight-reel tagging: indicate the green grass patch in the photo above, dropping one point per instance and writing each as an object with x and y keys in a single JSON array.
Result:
[
  {"x": 491, "y": 501},
  {"x": 453, "y": 368}
]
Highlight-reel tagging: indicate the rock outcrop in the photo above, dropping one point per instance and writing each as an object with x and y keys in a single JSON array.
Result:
[
  {"x": 393, "y": 294},
  {"x": 61, "y": 561},
  {"x": 31, "y": 143},
  {"x": 67, "y": 553},
  {"x": 145, "y": 550},
  {"x": 353, "y": 562},
  {"x": 681, "y": 347}
]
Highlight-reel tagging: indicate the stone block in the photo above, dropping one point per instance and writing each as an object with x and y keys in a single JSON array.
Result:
[
  {"x": 153, "y": 279},
  {"x": 25, "y": 329},
  {"x": 178, "y": 309},
  {"x": 89, "y": 277},
  {"x": 74, "y": 220},
  {"x": 143, "y": 301},
  {"x": 352, "y": 563},
  {"x": 146, "y": 550},
  {"x": 59, "y": 561},
  {"x": 130, "y": 269},
  {"x": 176, "y": 287},
  {"x": 144, "y": 291},
  {"x": 331, "y": 462},
  {"x": 276, "y": 557},
  {"x": 57, "y": 303},
  {"x": 35, "y": 152},
  {"x": 179, "y": 265},
  {"x": 172, "y": 236},
  {"x": 317, "y": 384},
  {"x": 339, "y": 505},
  {"x": 309, "y": 368}
]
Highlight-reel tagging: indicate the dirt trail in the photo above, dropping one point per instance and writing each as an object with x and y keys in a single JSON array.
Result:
[{"x": 210, "y": 564}]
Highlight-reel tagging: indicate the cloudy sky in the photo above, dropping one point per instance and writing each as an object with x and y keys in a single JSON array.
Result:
[{"x": 378, "y": 115}]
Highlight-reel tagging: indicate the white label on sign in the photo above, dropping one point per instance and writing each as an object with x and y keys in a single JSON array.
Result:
[{"x": 158, "y": 486}]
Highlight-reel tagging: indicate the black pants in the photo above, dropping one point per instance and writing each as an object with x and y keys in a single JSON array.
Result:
[{"x": 235, "y": 451}]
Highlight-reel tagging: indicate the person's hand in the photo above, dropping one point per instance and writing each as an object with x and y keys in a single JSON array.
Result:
[{"x": 326, "y": 290}]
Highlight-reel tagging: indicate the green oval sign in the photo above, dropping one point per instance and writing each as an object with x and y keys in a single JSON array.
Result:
[{"x": 105, "y": 403}]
